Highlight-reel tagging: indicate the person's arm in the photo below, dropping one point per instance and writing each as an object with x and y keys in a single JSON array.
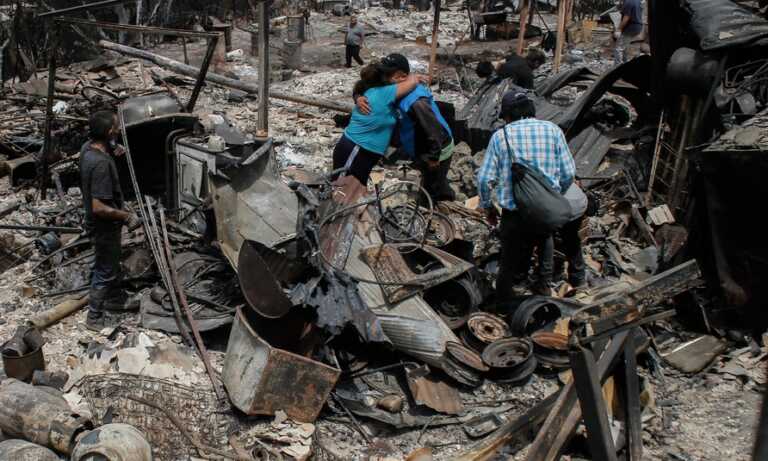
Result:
[
  {"x": 567, "y": 165},
  {"x": 486, "y": 177},
  {"x": 363, "y": 105},
  {"x": 624, "y": 22},
  {"x": 106, "y": 212},
  {"x": 421, "y": 112},
  {"x": 409, "y": 85},
  {"x": 626, "y": 16}
]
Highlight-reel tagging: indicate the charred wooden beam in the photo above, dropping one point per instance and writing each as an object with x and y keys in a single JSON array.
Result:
[{"x": 190, "y": 71}]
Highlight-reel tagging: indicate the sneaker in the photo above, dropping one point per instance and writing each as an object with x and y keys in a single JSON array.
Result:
[
  {"x": 543, "y": 289},
  {"x": 578, "y": 282},
  {"x": 95, "y": 321}
]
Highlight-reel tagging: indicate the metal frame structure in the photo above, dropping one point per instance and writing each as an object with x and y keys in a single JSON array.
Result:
[{"x": 58, "y": 21}]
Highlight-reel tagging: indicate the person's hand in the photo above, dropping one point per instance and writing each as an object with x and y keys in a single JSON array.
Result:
[
  {"x": 491, "y": 216},
  {"x": 133, "y": 221},
  {"x": 362, "y": 105},
  {"x": 617, "y": 35},
  {"x": 119, "y": 150},
  {"x": 433, "y": 164}
]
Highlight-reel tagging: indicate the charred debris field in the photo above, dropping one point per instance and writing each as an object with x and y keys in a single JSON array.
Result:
[{"x": 300, "y": 230}]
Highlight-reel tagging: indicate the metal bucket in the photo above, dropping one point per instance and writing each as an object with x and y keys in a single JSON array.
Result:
[
  {"x": 116, "y": 442},
  {"x": 293, "y": 54},
  {"x": 23, "y": 366},
  {"x": 262, "y": 379}
]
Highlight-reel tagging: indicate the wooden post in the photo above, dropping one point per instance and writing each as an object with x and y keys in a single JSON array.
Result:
[
  {"x": 263, "y": 122},
  {"x": 561, "y": 7},
  {"x": 435, "y": 30},
  {"x": 48, "y": 138},
  {"x": 525, "y": 7},
  {"x": 184, "y": 46}
]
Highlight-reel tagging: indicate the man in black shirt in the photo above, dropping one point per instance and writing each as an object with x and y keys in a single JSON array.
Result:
[
  {"x": 515, "y": 67},
  {"x": 104, "y": 214}
]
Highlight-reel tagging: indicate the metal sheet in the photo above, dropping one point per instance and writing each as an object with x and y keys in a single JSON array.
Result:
[
  {"x": 721, "y": 24},
  {"x": 390, "y": 267},
  {"x": 433, "y": 392},
  {"x": 261, "y": 288},
  {"x": 142, "y": 109},
  {"x": 252, "y": 203},
  {"x": 262, "y": 379},
  {"x": 412, "y": 326}
]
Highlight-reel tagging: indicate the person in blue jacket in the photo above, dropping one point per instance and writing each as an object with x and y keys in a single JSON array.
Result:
[
  {"x": 367, "y": 137},
  {"x": 424, "y": 134}
]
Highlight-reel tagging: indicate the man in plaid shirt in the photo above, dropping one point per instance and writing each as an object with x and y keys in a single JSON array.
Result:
[{"x": 539, "y": 144}]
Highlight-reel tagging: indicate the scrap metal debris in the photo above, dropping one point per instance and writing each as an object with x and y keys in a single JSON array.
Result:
[{"x": 357, "y": 321}]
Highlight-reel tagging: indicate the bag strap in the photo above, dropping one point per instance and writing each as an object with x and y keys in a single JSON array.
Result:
[{"x": 509, "y": 146}]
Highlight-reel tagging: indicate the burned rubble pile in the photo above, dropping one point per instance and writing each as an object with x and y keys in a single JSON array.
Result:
[{"x": 273, "y": 311}]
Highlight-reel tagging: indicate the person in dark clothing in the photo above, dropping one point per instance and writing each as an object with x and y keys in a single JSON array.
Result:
[
  {"x": 485, "y": 69},
  {"x": 104, "y": 213},
  {"x": 354, "y": 41},
  {"x": 630, "y": 28},
  {"x": 515, "y": 67},
  {"x": 571, "y": 246},
  {"x": 423, "y": 132}
]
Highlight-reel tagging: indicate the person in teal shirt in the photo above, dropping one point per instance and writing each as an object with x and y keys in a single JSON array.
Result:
[{"x": 367, "y": 137}]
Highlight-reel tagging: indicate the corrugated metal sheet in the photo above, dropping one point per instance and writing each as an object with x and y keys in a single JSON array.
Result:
[{"x": 412, "y": 325}]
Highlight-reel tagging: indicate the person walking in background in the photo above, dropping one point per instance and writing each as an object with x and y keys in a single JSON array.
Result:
[
  {"x": 354, "y": 41},
  {"x": 630, "y": 27}
]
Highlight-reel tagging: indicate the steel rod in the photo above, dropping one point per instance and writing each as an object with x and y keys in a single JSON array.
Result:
[
  {"x": 142, "y": 29},
  {"x": 76, "y": 9},
  {"x": 263, "y": 121},
  {"x": 61, "y": 230},
  {"x": 203, "y": 72},
  {"x": 187, "y": 312}
]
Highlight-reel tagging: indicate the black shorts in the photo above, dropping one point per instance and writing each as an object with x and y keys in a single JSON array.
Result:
[{"x": 361, "y": 165}]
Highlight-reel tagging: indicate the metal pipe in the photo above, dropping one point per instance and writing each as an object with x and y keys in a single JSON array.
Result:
[
  {"x": 61, "y": 230},
  {"x": 263, "y": 122},
  {"x": 47, "y": 147},
  {"x": 76, "y": 9},
  {"x": 203, "y": 71},
  {"x": 435, "y": 30},
  {"x": 142, "y": 29},
  {"x": 187, "y": 311}
]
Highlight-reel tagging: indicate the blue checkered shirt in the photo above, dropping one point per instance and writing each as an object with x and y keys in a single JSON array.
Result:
[{"x": 537, "y": 143}]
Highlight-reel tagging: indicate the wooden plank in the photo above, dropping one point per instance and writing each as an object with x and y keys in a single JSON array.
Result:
[{"x": 561, "y": 11}]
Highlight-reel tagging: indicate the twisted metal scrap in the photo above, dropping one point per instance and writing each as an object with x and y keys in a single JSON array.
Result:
[{"x": 122, "y": 395}]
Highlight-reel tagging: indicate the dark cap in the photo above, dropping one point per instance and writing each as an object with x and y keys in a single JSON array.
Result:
[
  {"x": 396, "y": 61},
  {"x": 512, "y": 99}
]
